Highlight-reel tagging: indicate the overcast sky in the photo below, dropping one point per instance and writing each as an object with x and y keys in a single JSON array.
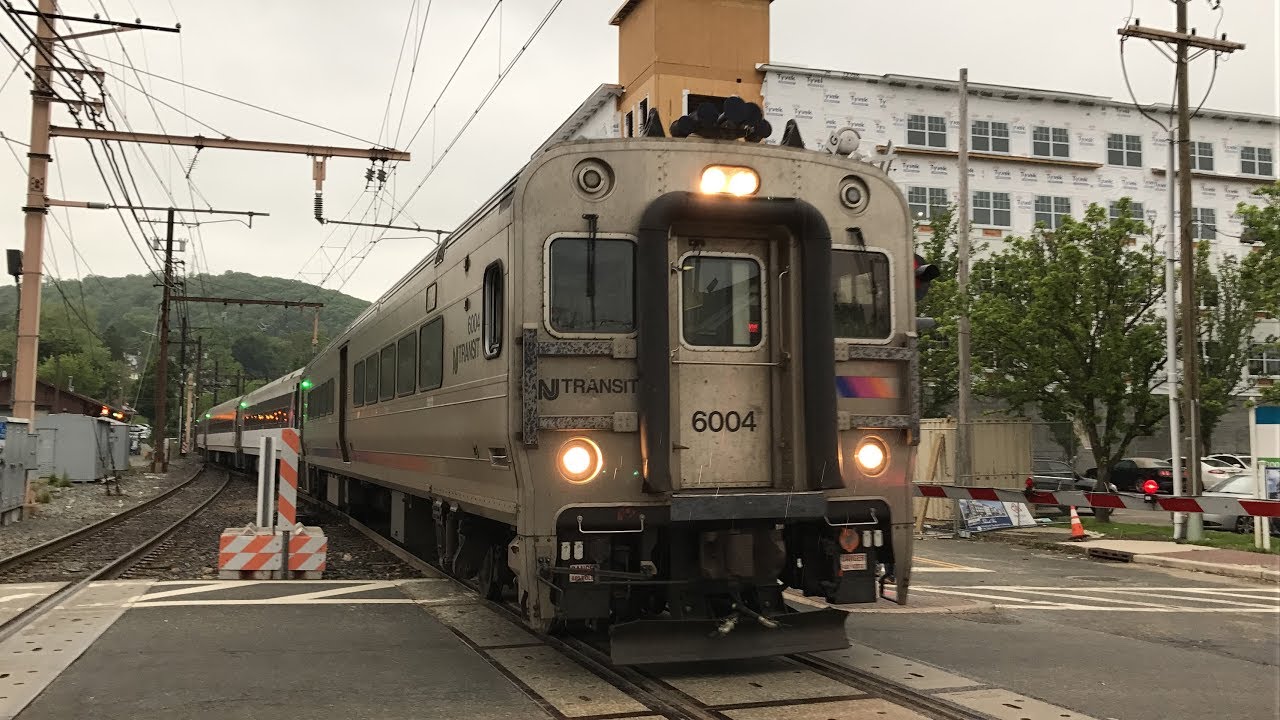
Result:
[{"x": 332, "y": 63}]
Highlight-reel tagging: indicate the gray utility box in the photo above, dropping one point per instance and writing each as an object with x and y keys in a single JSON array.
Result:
[
  {"x": 17, "y": 456},
  {"x": 81, "y": 447}
]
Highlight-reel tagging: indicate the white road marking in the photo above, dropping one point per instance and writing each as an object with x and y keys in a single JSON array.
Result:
[{"x": 1110, "y": 599}]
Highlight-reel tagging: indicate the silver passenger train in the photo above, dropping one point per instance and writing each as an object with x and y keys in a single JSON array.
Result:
[{"x": 660, "y": 385}]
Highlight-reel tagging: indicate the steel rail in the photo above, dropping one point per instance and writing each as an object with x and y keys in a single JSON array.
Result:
[
  {"x": 45, "y": 548},
  {"x": 112, "y": 569},
  {"x": 897, "y": 693}
]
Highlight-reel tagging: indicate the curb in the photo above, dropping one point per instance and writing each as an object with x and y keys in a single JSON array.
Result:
[{"x": 1247, "y": 572}]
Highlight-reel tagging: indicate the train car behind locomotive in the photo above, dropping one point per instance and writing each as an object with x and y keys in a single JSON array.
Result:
[{"x": 651, "y": 384}]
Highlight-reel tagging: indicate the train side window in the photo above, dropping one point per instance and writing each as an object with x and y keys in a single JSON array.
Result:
[
  {"x": 407, "y": 364},
  {"x": 371, "y": 379},
  {"x": 387, "y": 373},
  {"x": 493, "y": 299},
  {"x": 330, "y": 399},
  {"x": 357, "y": 386},
  {"x": 431, "y": 297},
  {"x": 862, "y": 295},
  {"x": 431, "y": 369},
  {"x": 592, "y": 285}
]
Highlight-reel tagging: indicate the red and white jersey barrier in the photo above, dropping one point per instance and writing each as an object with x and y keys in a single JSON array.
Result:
[{"x": 1115, "y": 501}]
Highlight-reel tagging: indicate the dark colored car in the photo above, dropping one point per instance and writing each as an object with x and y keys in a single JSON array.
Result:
[
  {"x": 1058, "y": 476},
  {"x": 1129, "y": 474}
]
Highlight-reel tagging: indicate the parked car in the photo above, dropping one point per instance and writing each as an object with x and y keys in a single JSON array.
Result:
[
  {"x": 1058, "y": 476},
  {"x": 1244, "y": 462},
  {"x": 1211, "y": 469},
  {"x": 1243, "y": 485},
  {"x": 1128, "y": 474}
]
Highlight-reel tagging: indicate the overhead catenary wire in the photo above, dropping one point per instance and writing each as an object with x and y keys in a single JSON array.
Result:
[{"x": 467, "y": 124}]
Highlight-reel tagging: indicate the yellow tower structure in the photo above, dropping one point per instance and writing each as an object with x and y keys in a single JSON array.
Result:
[{"x": 674, "y": 54}]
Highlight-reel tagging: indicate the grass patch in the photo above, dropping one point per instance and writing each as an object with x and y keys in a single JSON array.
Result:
[{"x": 1212, "y": 538}]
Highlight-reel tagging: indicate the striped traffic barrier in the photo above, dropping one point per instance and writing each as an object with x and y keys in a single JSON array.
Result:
[
  {"x": 244, "y": 552},
  {"x": 1113, "y": 501},
  {"x": 308, "y": 548},
  {"x": 288, "y": 480}
]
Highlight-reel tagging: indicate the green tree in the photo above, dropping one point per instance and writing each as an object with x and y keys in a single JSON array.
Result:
[
  {"x": 1067, "y": 319},
  {"x": 939, "y": 378},
  {"x": 1228, "y": 318},
  {"x": 1261, "y": 265}
]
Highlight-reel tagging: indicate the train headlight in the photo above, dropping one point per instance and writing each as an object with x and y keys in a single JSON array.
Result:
[
  {"x": 725, "y": 180},
  {"x": 580, "y": 460},
  {"x": 872, "y": 456}
]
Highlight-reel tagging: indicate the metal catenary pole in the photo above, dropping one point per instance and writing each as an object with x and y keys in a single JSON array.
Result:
[
  {"x": 964, "y": 439},
  {"x": 1171, "y": 339},
  {"x": 160, "y": 454}
]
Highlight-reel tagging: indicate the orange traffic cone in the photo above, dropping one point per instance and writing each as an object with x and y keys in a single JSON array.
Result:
[{"x": 1077, "y": 529}]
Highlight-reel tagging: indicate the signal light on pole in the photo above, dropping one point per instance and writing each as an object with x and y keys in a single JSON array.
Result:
[{"x": 925, "y": 274}]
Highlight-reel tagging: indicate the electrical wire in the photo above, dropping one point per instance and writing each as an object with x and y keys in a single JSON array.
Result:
[
  {"x": 413, "y": 70},
  {"x": 188, "y": 86},
  {"x": 454, "y": 74}
]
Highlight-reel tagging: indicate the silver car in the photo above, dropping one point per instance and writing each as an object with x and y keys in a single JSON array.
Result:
[{"x": 1243, "y": 485}]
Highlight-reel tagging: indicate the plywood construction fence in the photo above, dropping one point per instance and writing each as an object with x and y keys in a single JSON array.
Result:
[{"x": 1001, "y": 458}]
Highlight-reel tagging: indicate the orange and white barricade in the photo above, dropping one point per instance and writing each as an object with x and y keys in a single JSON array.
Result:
[
  {"x": 259, "y": 551},
  {"x": 249, "y": 553}
]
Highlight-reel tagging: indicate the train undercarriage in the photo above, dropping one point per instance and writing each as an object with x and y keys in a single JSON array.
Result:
[{"x": 703, "y": 577}]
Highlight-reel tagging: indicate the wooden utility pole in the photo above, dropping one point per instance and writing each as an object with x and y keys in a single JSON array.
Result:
[
  {"x": 1182, "y": 42},
  {"x": 37, "y": 204}
]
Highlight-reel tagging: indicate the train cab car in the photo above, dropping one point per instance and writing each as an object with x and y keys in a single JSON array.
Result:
[
  {"x": 218, "y": 430},
  {"x": 652, "y": 385},
  {"x": 266, "y": 411}
]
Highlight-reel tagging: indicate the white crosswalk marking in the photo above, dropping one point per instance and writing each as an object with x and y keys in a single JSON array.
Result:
[{"x": 1127, "y": 598}]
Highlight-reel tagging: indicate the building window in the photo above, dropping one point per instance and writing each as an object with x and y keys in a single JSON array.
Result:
[
  {"x": 1135, "y": 211},
  {"x": 387, "y": 373},
  {"x": 1202, "y": 156},
  {"x": 371, "y": 379},
  {"x": 1204, "y": 223},
  {"x": 592, "y": 285},
  {"x": 720, "y": 299},
  {"x": 860, "y": 284},
  {"x": 644, "y": 115},
  {"x": 1264, "y": 361},
  {"x": 929, "y": 130},
  {"x": 926, "y": 203},
  {"x": 357, "y": 385},
  {"x": 992, "y": 208},
  {"x": 431, "y": 356},
  {"x": 1256, "y": 161},
  {"x": 1050, "y": 142},
  {"x": 630, "y": 124},
  {"x": 492, "y": 314},
  {"x": 407, "y": 364},
  {"x": 1050, "y": 210},
  {"x": 990, "y": 136},
  {"x": 1124, "y": 150}
]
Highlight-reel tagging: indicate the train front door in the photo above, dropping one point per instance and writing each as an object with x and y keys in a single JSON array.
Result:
[{"x": 723, "y": 365}]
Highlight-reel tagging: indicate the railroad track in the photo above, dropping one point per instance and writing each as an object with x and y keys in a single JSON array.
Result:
[
  {"x": 651, "y": 690},
  {"x": 108, "y": 548}
]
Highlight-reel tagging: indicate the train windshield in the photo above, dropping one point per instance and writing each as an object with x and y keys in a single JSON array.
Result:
[
  {"x": 592, "y": 285},
  {"x": 860, "y": 285}
]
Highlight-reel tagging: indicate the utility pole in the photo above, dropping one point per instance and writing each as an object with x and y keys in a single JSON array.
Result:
[
  {"x": 37, "y": 204},
  {"x": 184, "y": 411},
  {"x": 217, "y": 382},
  {"x": 24, "y": 370},
  {"x": 964, "y": 446},
  {"x": 160, "y": 455},
  {"x": 198, "y": 388},
  {"x": 1182, "y": 42},
  {"x": 1171, "y": 338}
]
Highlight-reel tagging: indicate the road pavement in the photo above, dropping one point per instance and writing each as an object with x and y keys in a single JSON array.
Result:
[{"x": 1109, "y": 640}]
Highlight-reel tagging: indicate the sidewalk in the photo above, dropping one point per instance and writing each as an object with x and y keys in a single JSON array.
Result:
[{"x": 1214, "y": 561}]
